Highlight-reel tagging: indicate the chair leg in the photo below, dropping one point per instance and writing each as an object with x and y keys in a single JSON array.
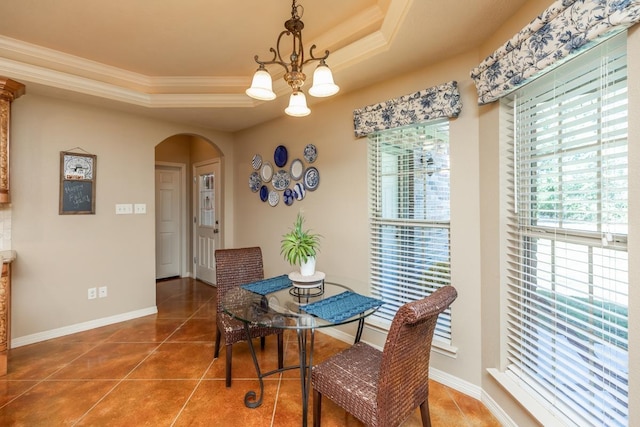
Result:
[
  {"x": 424, "y": 412},
  {"x": 262, "y": 341},
  {"x": 216, "y": 352},
  {"x": 280, "y": 351},
  {"x": 228, "y": 366},
  {"x": 317, "y": 407}
]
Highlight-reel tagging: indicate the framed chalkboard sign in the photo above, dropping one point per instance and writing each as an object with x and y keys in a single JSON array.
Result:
[{"x": 77, "y": 183}]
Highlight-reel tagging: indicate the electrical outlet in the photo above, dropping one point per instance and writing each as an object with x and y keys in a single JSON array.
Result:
[
  {"x": 102, "y": 292},
  {"x": 92, "y": 293}
]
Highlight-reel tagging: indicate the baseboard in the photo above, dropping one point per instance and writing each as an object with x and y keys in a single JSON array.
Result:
[
  {"x": 503, "y": 418},
  {"x": 81, "y": 327}
]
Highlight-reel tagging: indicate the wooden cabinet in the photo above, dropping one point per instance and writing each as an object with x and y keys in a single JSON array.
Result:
[
  {"x": 9, "y": 91},
  {"x": 5, "y": 308}
]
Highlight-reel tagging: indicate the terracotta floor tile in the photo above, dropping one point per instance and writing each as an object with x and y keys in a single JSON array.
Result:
[
  {"x": 176, "y": 361},
  {"x": 9, "y": 390},
  {"x": 146, "y": 329},
  {"x": 195, "y": 329},
  {"x": 141, "y": 403},
  {"x": 38, "y": 361},
  {"x": 159, "y": 370},
  {"x": 213, "y": 404},
  {"x": 54, "y": 403},
  {"x": 107, "y": 361}
]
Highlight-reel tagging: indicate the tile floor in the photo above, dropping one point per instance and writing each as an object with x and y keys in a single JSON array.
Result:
[{"x": 159, "y": 371}]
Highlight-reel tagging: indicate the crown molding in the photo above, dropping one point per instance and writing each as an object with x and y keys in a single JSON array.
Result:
[{"x": 30, "y": 63}]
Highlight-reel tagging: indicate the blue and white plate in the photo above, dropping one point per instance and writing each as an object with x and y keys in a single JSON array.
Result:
[
  {"x": 280, "y": 156},
  {"x": 264, "y": 193},
  {"x": 310, "y": 153},
  {"x": 254, "y": 181},
  {"x": 288, "y": 196},
  {"x": 256, "y": 162},
  {"x": 274, "y": 198},
  {"x": 281, "y": 180},
  {"x": 311, "y": 178},
  {"x": 299, "y": 191},
  {"x": 297, "y": 169}
]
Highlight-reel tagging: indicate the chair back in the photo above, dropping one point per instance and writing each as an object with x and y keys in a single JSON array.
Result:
[
  {"x": 236, "y": 267},
  {"x": 404, "y": 371}
]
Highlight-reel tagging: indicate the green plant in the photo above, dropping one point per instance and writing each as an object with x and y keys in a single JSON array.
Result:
[{"x": 298, "y": 245}]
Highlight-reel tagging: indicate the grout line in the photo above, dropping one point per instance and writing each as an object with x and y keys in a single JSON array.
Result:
[{"x": 142, "y": 361}]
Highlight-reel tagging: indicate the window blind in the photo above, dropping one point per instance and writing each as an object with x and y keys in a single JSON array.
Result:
[
  {"x": 567, "y": 273},
  {"x": 409, "y": 217}
]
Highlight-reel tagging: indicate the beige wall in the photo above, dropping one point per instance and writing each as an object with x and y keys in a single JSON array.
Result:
[
  {"x": 338, "y": 208},
  {"x": 61, "y": 256}
]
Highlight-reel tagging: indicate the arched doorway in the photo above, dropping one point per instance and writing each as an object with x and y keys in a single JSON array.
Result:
[{"x": 183, "y": 217}]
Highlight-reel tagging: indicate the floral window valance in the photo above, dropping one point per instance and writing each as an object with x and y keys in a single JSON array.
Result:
[
  {"x": 561, "y": 30},
  {"x": 433, "y": 103}
]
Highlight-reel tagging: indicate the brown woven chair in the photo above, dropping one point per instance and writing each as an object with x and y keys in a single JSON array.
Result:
[
  {"x": 383, "y": 388},
  {"x": 236, "y": 267}
]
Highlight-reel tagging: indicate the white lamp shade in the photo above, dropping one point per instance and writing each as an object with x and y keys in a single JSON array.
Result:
[
  {"x": 323, "y": 84},
  {"x": 297, "y": 105},
  {"x": 261, "y": 86}
]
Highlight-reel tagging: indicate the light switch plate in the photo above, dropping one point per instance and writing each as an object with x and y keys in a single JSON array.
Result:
[{"x": 124, "y": 209}]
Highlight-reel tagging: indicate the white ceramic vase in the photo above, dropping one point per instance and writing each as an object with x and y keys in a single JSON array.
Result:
[{"x": 308, "y": 268}]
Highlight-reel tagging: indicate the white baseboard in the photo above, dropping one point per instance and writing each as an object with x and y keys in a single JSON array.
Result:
[
  {"x": 81, "y": 327},
  {"x": 456, "y": 383},
  {"x": 503, "y": 418}
]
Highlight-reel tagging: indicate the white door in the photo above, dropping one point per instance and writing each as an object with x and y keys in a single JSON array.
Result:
[
  {"x": 206, "y": 219},
  {"x": 168, "y": 196}
]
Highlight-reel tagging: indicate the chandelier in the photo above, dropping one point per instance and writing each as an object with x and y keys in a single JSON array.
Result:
[{"x": 323, "y": 85}]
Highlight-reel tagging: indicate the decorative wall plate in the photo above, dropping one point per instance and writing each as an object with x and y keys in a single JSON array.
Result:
[
  {"x": 280, "y": 156},
  {"x": 299, "y": 191},
  {"x": 256, "y": 162},
  {"x": 288, "y": 196},
  {"x": 310, "y": 153},
  {"x": 311, "y": 178},
  {"x": 274, "y": 198},
  {"x": 264, "y": 193},
  {"x": 266, "y": 172},
  {"x": 254, "y": 181},
  {"x": 297, "y": 169},
  {"x": 281, "y": 180}
]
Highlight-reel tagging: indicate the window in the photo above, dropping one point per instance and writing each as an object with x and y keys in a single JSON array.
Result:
[
  {"x": 567, "y": 266},
  {"x": 409, "y": 217}
]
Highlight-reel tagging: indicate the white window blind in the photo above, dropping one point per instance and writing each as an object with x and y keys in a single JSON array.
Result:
[
  {"x": 567, "y": 249},
  {"x": 409, "y": 217}
]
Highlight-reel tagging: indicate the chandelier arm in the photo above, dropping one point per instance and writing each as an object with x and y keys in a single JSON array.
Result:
[
  {"x": 277, "y": 58},
  {"x": 315, "y": 58}
]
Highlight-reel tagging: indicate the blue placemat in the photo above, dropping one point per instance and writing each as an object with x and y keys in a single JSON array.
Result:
[
  {"x": 342, "y": 306},
  {"x": 267, "y": 286}
]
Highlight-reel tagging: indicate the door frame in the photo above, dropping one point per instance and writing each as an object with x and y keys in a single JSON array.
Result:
[
  {"x": 182, "y": 168},
  {"x": 218, "y": 207}
]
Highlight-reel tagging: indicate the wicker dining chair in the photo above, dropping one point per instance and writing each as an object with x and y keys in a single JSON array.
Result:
[
  {"x": 383, "y": 388},
  {"x": 236, "y": 267}
]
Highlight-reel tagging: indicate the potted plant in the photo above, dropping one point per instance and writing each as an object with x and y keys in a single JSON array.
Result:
[{"x": 300, "y": 246}]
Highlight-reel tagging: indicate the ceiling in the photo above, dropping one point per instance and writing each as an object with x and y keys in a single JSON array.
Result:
[{"x": 190, "y": 61}]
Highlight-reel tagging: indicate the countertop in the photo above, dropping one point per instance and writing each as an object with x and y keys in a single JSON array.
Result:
[{"x": 8, "y": 256}]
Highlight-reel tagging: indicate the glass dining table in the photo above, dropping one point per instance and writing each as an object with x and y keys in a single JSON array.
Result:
[{"x": 277, "y": 302}]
